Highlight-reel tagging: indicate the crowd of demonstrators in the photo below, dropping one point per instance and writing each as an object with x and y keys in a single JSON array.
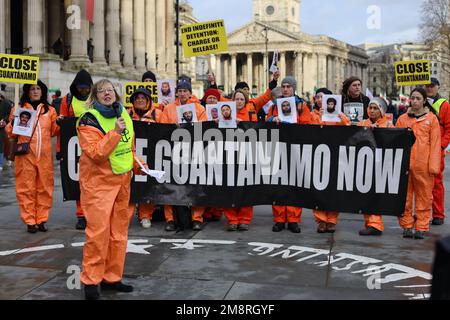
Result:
[{"x": 107, "y": 161}]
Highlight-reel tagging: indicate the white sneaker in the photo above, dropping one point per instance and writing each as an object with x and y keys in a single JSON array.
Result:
[{"x": 146, "y": 223}]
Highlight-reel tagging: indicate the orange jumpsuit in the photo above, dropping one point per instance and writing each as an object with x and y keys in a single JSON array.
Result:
[
  {"x": 330, "y": 216},
  {"x": 288, "y": 213},
  {"x": 425, "y": 163},
  {"x": 375, "y": 220},
  {"x": 438, "y": 190},
  {"x": 170, "y": 116},
  {"x": 34, "y": 171},
  {"x": 146, "y": 210},
  {"x": 105, "y": 200},
  {"x": 242, "y": 215},
  {"x": 67, "y": 111}
]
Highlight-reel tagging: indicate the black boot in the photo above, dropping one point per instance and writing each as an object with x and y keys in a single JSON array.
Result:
[
  {"x": 370, "y": 231},
  {"x": 278, "y": 226},
  {"x": 116, "y": 286},
  {"x": 81, "y": 224},
  {"x": 91, "y": 292},
  {"x": 32, "y": 229},
  {"x": 293, "y": 226},
  {"x": 42, "y": 227}
]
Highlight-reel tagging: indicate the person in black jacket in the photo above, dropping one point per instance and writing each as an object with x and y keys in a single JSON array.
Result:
[{"x": 351, "y": 93}]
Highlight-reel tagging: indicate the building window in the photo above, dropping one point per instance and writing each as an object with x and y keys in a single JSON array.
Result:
[
  {"x": 374, "y": 79},
  {"x": 270, "y": 10},
  {"x": 435, "y": 72},
  {"x": 374, "y": 69},
  {"x": 293, "y": 12},
  {"x": 435, "y": 64}
]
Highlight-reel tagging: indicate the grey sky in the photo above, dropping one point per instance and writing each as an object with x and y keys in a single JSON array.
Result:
[{"x": 344, "y": 20}]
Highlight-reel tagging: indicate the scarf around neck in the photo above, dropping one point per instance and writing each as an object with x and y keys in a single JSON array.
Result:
[{"x": 107, "y": 112}]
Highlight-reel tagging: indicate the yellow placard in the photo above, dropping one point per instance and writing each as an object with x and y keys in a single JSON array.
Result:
[
  {"x": 204, "y": 38},
  {"x": 412, "y": 73},
  {"x": 19, "y": 69},
  {"x": 131, "y": 87}
]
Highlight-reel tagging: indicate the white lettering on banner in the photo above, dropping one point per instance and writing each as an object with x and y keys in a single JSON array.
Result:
[
  {"x": 214, "y": 154},
  {"x": 370, "y": 165},
  {"x": 198, "y": 167},
  {"x": 301, "y": 166},
  {"x": 73, "y": 152},
  {"x": 280, "y": 165},
  {"x": 141, "y": 144},
  {"x": 388, "y": 171},
  {"x": 230, "y": 149},
  {"x": 321, "y": 175},
  {"x": 163, "y": 149},
  {"x": 263, "y": 162},
  {"x": 364, "y": 177}
]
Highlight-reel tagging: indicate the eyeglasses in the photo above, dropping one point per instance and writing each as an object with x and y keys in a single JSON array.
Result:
[{"x": 102, "y": 91}]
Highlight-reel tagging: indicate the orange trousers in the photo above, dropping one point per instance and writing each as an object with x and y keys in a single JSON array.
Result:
[
  {"x": 197, "y": 213},
  {"x": 374, "y": 221},
  {"x": 420, "y": 186},
  {"x": 145, "y": 210},
  {"x": 286, "y": 214},
  {"x": 106, "y": 233},
  {"x": 439, "y": 192},
  {"x": 34, "y": 188},
  {"x": 242, "y": 215},
  {"x": 326, "y": 216},
  {"x": 213, "y": 212}
]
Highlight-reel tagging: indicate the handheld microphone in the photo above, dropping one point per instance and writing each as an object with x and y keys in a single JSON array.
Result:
[{"x": 116, "y": 107}]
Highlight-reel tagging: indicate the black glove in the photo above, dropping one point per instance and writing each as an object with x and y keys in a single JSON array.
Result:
[{"x": 273, "y": 84}]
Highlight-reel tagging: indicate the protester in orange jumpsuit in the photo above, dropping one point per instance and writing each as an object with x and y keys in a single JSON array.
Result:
[
  {"x": 143, "y": 110},
  {"x": 72, "y": 106},
  {"x": 327, "y": 220},
  {"x": 34, "y": 170},
  {"x": 240, "y": 218},
  {"x": 106, "y": 138},
  {"x": 315, "y": 114},
  {"x": 170, "y": 116},
  {"x": 425, "y": 163},
  {"x": 376, "y": 111},
  {"x": 289, "y": 214},
  {"x": 442, "y": 108}
]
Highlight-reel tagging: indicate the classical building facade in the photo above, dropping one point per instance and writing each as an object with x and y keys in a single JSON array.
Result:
[
  {"x": 315, "y": 61},
  {"x": 125, "y": 38},
  {"x": 381, "y": 67}
]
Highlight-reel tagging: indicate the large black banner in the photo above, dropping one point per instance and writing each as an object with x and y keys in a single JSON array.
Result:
[{"x": 345, "y": 169}]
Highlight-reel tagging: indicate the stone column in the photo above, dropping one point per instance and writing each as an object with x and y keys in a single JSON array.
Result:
[
  {"x": 299, "y": 72},
  {"x": 321, "y": 70},
  {"x": 218, "y": 70},
  {"x": 79, "y": 38},
  {"x": 310, "y": 72},
  {"x": 113, "y": 33},
  {"x": 139, "y": 34},
  {"x": 161, "y": 35},
  {"x": 3, "y": 26},
  {"x": 35, "y": 30},
  {"x": 233, "y": 70},
  {"x": 126, "y": 23},
  {"x": 226, "y": 72},
  {"x": 55, "y": 26},
  {"x": 331, "y": 73},
  {"x": 265, "y": 82},
  {"x": 150, "y": 33},
  {"x": 170, "y": 37},
  {"x": 250, "y": 70},
  {"x": 283, "y": 63},
  {"x": 99, "y": 33}
]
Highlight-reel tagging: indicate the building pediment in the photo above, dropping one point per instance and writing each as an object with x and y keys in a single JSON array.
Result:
[{"x": 255, "y": 32}]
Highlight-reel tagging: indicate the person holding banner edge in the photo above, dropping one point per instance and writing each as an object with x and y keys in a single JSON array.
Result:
[
  {"x": 106, "y": 136},
  {"x": 442, "y": 108},
  {"x": 374, "y": 225},
  {"x": 143, "y": 110},
  {"x": 170, "y": 116},
  {"x": 327, "y": 220},
  {"x": 425, "y": 164},
  {"x": 289, "y": 214},
  {"x": 34, "y": 170},
  {"x": 73, "y": 105}
]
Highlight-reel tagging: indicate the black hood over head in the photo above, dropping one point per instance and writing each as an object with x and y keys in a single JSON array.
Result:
[{"x": 82, "y": 78}]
